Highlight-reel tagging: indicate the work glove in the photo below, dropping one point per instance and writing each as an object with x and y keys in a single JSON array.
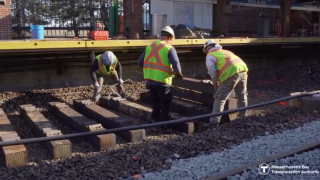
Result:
[
  {"x": 121, "y": 81},
  {"x": 96, "y": 84},
  {"x": 179, "y": 76}
]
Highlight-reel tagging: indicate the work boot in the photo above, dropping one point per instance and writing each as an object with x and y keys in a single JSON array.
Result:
[
  {"x": 123, "y": 95},
  {"x": 210, "y": 125},
  {"x": 167, "y": 129}
]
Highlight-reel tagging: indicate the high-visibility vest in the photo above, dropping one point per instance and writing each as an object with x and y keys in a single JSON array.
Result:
[
  {"x": 102, "y": 68},
  {"x": 228, "y": 64},
  {"x": 156, "y": 65}
]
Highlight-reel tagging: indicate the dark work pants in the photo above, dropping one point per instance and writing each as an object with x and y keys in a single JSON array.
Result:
[{"x": 161, "y": 98}]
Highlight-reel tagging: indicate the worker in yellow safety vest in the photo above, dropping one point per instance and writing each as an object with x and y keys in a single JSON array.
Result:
[
  {"x": 106, "y": 65},
  {"x": 228, "y": 72},
  {"x": 159, "y": 61}
]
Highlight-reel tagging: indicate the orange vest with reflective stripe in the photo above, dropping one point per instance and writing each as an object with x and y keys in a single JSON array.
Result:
[
  {"x": 156, "y": 65},
  {"x": 228, "y": 64}
]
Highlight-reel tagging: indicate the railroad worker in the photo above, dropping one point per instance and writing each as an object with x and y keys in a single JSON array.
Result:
[
  {"x": 106, "y": 65},
  {"x": 228, "y": 72},
  {"x": 160, "y": 62}
]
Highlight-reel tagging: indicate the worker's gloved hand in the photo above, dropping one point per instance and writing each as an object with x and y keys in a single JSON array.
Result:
[
  {"x": 96, "y": 84},
  {"x": 121, "y": 81},
  {"x": 179, "y": 76}
]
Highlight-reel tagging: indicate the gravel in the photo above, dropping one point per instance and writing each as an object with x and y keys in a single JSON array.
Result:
[
  {"x": 157, "y": 152},
  {"x": 208, "y": 165},
  {"x": 301, "y": 166}
]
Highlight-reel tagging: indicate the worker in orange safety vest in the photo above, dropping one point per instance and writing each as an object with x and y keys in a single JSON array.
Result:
[
  {"x": 159, "y": 61},
  {"x": 228, "y": 72}
]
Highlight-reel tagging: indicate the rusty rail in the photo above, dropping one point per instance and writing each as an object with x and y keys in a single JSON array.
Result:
[
  {"x": 80, "y": 123},
  {"x": 109, "y": 119},
  {"x": 204, "y": 99},
  {"x": 203, "y": 86},
  {"x": 241, "y": 169},
  {"x": 142, "y": 111},
  {"x": 187, "y": 109},
  {"x": 15, "y": 155},
  {"x": 41, "y": 126}
]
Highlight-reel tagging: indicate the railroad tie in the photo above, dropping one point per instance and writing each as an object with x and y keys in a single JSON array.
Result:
[
  {"x": 140, "y": 111},
  {"x": 80, "y": 123},
  {"x": 15, "y": 155},
  {"x": 42, "y": 127},
  {"x": 109, "y": 119}
]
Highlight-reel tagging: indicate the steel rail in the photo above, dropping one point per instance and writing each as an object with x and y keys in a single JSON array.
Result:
[
  {"x": 151, "y": 125},
  {"x": 239, "y": 170}
]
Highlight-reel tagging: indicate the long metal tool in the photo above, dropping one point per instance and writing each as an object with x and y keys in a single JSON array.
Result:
[{"x": 150, "y": 125}]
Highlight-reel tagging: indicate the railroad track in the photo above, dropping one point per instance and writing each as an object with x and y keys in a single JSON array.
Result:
[
  {"x": 264, "y": 167},
  {"x": 85, "y": 116}
]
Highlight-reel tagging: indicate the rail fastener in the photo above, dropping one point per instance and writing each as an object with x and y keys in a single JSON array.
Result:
[
  {"x": 80, "y": 123},
  {"x": 15, "y": 155},
  {"x": 41, "y": 126},
  {"x": 109, "y": 119},
  {"x": 140, "y": 111}
]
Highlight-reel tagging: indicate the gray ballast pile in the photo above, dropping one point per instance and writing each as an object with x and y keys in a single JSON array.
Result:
[
  {"x": 302, "y": 166},
  {"x": 204, "y": 166}
]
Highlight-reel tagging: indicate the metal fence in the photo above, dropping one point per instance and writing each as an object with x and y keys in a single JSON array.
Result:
[
  {"x": 61, "y": 18},
  {"x": 244, "y": 20}
]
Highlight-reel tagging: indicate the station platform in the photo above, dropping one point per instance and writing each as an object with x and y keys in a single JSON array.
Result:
[{"x": 84, "y": 45}]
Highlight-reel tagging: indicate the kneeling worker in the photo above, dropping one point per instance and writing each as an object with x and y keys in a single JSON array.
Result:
[
  {"x": 106, "y": 65},
  {"x": 228, "y": 72},
  {"x": 158, "y": 62}
]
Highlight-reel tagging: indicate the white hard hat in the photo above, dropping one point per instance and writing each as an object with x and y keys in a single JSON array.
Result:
[
  {"x": 169, "y": 30},
  {"x": 108, "y": 58},
  {"x": 209, "y": 42}
]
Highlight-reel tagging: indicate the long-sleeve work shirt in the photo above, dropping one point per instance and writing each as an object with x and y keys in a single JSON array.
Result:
[
  {"x": 173, "y": 59},
  {"x": 95, "y": 67},
  {"x": 211, "y": 62}
]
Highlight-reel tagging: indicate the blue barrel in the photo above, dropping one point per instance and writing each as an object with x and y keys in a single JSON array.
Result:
[{"x": 37, "y": 32}]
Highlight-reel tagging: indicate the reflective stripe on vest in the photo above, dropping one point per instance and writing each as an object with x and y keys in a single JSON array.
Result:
[
  {"x": 228, "y": 64},
  {"x": 156, "y": 66},
  {"x": 102, "y": 68}
]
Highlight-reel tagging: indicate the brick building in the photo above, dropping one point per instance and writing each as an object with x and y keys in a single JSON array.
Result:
[
  {"x": 5, "y": 20},
  {"x": 133, "y": 17}
]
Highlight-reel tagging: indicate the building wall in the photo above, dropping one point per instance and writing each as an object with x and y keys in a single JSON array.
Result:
[
  {"x": 5, "y": 21},
  {"x": 133, "y": 20}
]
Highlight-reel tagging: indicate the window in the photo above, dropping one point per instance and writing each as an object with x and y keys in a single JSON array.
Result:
[{"x": 2, "y": 3}]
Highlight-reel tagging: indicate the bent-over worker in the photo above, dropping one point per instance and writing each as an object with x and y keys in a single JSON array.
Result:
[
  {"x": 159, "y": 61},
  {"x": 106, "y": 65},
  {"x": 228, "y": 72}
]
